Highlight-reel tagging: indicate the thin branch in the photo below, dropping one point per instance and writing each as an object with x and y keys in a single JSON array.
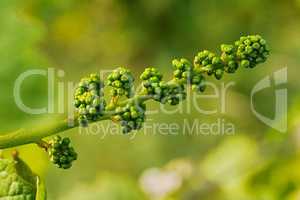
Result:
[{"x": 34, "y": 135}]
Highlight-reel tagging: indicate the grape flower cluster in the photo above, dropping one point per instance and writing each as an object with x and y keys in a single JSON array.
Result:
[
  {"x": 247, "y": 52},
  {"x": 61, "y": 153}
]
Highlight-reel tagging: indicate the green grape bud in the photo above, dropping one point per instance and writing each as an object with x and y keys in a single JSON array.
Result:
[
  {"x": 134, "y": 114},
  {"x": 247, "y": 42},
  {"x": 92, "y": 110},
  {"x": 115, "y": 75},
  {"x": 245, "y": 63},
  {"x": 216, "y": 60},
  {"x": 226, "y": 48},
  {"x": 126, "y": 115},
  {"x": 219, "y": 74},
  {"x": 256, "y": 45},
  {"x": 177, "y": 73},
  {"x": 249, "y": 49}
]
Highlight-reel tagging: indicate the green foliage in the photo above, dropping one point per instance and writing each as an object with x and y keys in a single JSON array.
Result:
[
  {"x": 18, "y": 182},
  {"x": 61, "y": 153}
]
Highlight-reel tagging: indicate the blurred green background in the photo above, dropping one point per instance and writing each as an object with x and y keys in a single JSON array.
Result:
[{"x": 85, "y": 36}]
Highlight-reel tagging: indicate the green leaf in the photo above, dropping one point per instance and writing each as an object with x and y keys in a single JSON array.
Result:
[{"x": 18, "y": 182}]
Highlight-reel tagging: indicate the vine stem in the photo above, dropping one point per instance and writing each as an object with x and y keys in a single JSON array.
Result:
[{"x": 36, "y": 134}]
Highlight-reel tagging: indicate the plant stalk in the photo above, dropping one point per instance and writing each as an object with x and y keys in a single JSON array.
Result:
[{"x": 36, "y": 134}]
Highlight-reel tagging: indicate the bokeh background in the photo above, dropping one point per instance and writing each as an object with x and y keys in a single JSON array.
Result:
[{"x": 81, "y": 37}]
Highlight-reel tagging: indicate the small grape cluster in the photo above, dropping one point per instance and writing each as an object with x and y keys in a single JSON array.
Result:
[
  {"x": 61, "y": 153},
  {"x": 228, "y": 58},
  {"x": 198, "y": 81},
  {"x": 89, "y": 99},
  {"x": 251, "y": 50},
  {"x": 121, "y": 81},
  {"x": 185, "y": 72},
  {"x": 182, "y": 72},
  {"x": 209, "y": 63},
  {"x": 152, "y": 82},
  {"x": 173, "y": 93},
  {"x": 248, "y": 51},
  {"x": 132, "y": 116},
  {"x": 165, "y": 92}
]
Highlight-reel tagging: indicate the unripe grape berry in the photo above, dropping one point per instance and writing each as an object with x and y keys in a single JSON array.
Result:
[{"x": 61, "y": 153}]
